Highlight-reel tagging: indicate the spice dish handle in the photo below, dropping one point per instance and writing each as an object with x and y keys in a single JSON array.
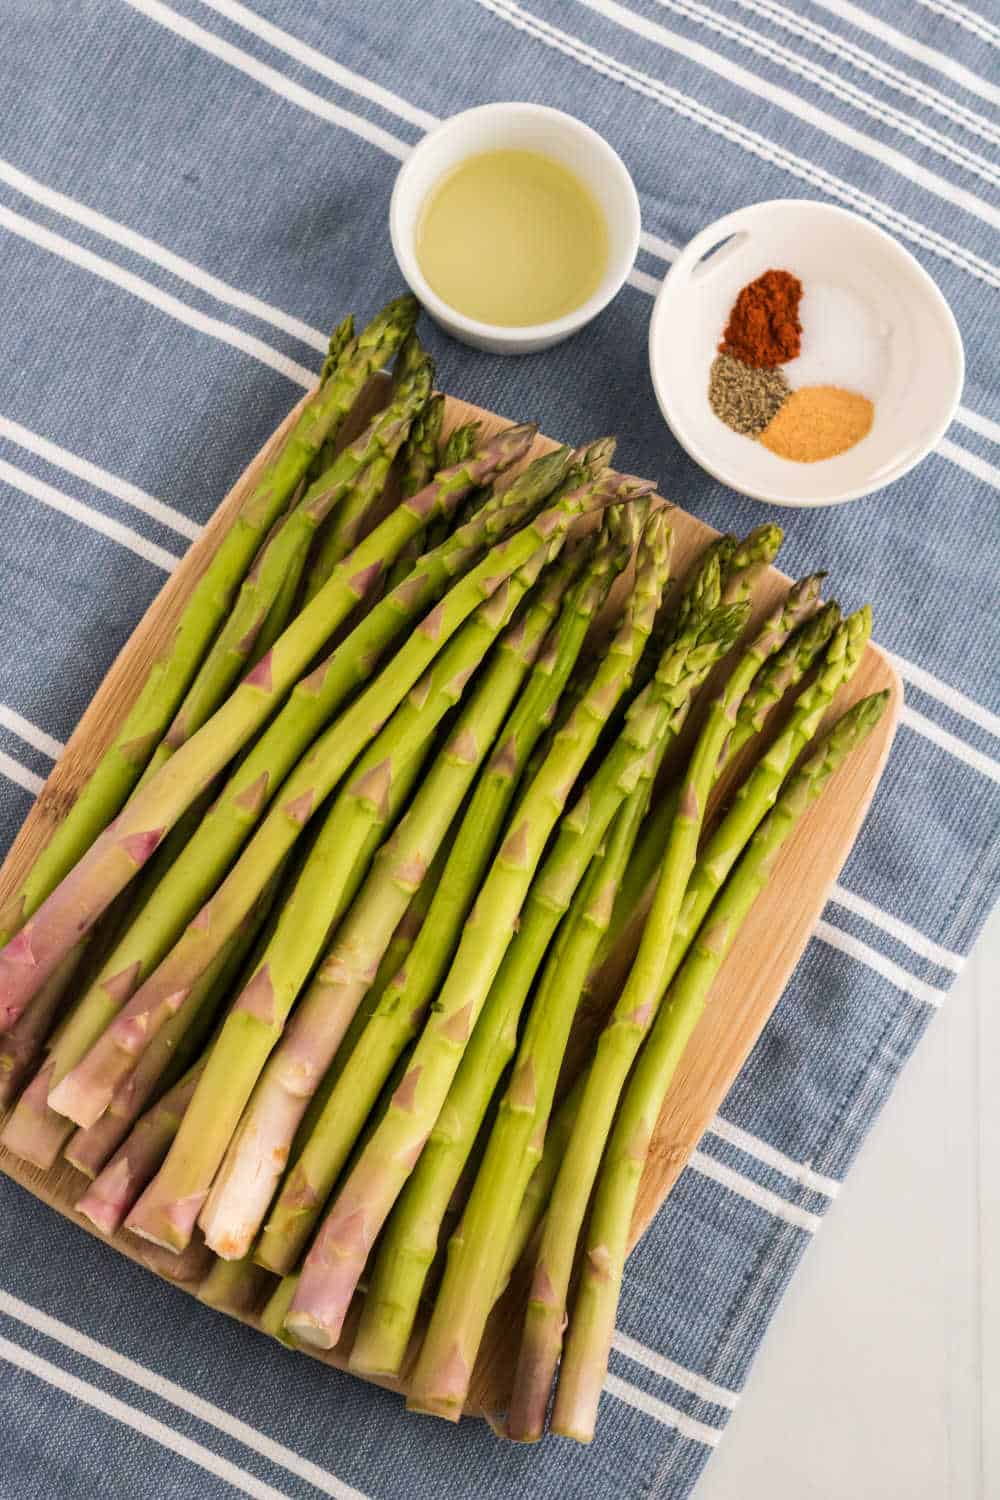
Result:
[{"x": 713, "y": 246}]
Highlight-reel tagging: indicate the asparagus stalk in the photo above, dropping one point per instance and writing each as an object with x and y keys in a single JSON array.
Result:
[
  {"x": 122, "y": 763},
  {"x": 395, "y": 957},
  {"x": 85, "y": 1092},
  {"x": 244, "y": 1186},
  {"x": 402, "y": 1007},
  {"x": 607, "y": 1238},
  {"x": 236, "y": 1286},
  {"x": 778, "y": 675},
  {"x": 628, "y": 1026},
  {"x": 123, "y": 849},
  {"x": 338, "y": 347},
  {"x": 169, "y": 1207},
  {"x": 343, "y": 530},
  {"x": 22, "y": 1046},
  {"x": 423, "y": 456},
  {"x": 522, "y": 1119},
  {"x": 545, "y": 1152},
  {"x": 112, "y": 1193},
  {"x": 749, "y": 560},
  {"x": 653, "y": 722},
  {"x": 337, "y": 1258},
  {"x": 172, "y": 1051}
]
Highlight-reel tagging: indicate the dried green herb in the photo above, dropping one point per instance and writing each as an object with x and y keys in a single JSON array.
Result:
[{"x": 743, "y": 397}]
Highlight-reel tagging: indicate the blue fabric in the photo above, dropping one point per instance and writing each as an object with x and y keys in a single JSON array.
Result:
[{"x": 269, "y": 167}]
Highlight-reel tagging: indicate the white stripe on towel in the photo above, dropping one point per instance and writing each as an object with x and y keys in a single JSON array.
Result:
[
  {"x": 970, "y": 462},
  {"x": 854, "y": 948},
  {"x": 945, "y": 693},
  {"x": 900, "y": 930},
  {"x": 20, "y": 775},
  {"x": 138, "y": 1421},
  {"x": 46, "y": 494},
  {"x": 659, "y": 1364},
  {"x": 735, "y": 1135},
  {"x": 293, "y": 46},
  {"x": 177, "y": 1395},
  {"x": 47, "y": 239},
  {"x": 761, "y": 1197},
  {"x": 270, "y": 77},
  {"x": 873, "y": 65},
  {"x": 919, "y": 722},
  {"x": 100, "y": 478},
  {"x": 661, "y": 1412},
  {"x": 773, "y": 52},
  {"x": 30, "y": 733},
  {"x": 178, "y": 265}
]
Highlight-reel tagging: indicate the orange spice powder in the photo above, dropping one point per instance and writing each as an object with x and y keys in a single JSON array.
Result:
[{"x": 817, "y": 422}]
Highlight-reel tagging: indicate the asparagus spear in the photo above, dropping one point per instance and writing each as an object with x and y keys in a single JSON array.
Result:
[
  {"x": 243, "y": 1188},
  {"x": 337, "y": 1258},
  {"x": 423, "y": 456},
  {"x": 629, "y": 1024},
  {"x": 172, "y": 1051},
  {"x": 749, "y": 560},
  {"x": 336, "y": 350},
  {"x": 111, "y": 1195},
  {"x": 606, "y": 1242},
  {"x": 653, "y": 721},
  {"x": 168, "y": 1208},
  {"x": 122, "y": 763},
  {"x": 122, "y": 850},
  {"x": 402, "y": 1007},
  {"x": 236, "y": 1286},
  {"x": 343, "y": 529},
  {"x": 22, "y": 1046},
  {"x": 86, "y": 1091},
  {"x": 777, "y": 676}
]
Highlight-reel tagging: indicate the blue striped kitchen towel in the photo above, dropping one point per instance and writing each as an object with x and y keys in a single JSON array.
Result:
[{"x": 190, "y": 191}]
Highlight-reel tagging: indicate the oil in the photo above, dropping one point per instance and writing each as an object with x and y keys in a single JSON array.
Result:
[{"x": 512, "y": 238}]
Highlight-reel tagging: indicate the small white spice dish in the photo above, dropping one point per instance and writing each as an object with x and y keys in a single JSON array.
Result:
[
  {"x": 873, "y": 321},
  {"x": 519, "y": 127}
]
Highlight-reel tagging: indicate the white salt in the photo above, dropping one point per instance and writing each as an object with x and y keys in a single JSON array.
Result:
[{"x": 845, "y": 341}]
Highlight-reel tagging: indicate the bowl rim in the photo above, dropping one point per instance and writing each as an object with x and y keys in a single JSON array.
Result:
[
  {"x": 615, "y": 276},
  {"x": 730, "y": 224}
]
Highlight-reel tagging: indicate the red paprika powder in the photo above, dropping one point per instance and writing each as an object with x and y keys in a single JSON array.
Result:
[{"x": 764, "y": 328}]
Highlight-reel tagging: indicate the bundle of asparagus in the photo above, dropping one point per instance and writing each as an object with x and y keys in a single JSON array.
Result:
[{"x": 300, "y": 981}]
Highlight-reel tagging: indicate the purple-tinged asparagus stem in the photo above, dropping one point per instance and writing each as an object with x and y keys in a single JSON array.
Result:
[{"x": 112, "y": 1194}]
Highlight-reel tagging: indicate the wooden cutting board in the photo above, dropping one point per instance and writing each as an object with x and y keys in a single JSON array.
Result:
[{"x": 742, "y": 998}]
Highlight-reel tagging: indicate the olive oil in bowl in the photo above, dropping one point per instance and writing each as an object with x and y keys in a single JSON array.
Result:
[{"x": 512, "y": 238}]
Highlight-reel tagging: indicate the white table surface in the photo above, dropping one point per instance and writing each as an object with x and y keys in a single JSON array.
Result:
[{"x": 880, "y": 1376}]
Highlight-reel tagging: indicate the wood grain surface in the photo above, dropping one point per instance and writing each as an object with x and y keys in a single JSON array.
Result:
[{"x": 742, "y": 998}]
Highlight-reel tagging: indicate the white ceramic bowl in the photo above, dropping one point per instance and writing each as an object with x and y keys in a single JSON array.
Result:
[
  {"x": 906, "y": 353},
  {"x": 520, "y": 127}
]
